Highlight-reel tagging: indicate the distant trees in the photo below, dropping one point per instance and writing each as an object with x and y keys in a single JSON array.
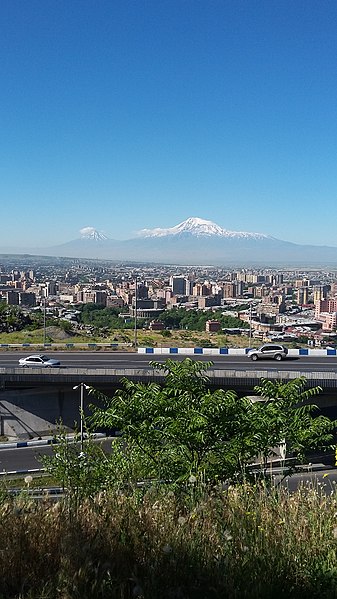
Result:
[
  {"x": 103, "y": 318},
  {"x": 12, "y": 318},
  {"x": 177, "y": 318},
  {"x": 195, "y": 320}
]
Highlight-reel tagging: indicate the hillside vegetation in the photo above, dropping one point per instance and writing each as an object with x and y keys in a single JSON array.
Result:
[{"x": 174, "y": 511}]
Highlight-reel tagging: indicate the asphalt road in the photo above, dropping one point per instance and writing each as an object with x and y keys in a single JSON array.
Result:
[
  {"x": 29, "y": 458},
  {"x": 98, "y": 359}
]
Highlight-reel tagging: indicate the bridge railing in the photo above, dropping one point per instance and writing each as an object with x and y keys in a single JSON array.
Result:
[{"x": 229, "y": 351}]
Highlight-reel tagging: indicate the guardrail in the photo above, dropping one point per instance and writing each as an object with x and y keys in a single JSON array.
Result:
[
  {"x": 114, "y": 375},
  {"x": 167, "y": 351},
  {"x": 229, "y": 351},
  {"x": 50, "y": 441}
]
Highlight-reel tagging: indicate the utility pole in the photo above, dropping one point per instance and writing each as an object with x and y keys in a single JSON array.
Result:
[{"x": 136, "y": 306}]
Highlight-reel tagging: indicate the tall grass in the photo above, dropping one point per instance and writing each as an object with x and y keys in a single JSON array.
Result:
[{"x": 244, "y": 542}]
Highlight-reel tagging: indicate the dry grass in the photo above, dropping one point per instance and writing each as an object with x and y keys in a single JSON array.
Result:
[
  {"x": 144, "y": 338},
  {"x": 245, "y": 542}
]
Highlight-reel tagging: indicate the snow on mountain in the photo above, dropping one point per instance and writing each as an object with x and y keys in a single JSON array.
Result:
[
  {"x": 91, "y": 233},
  {"x": 194, "y": 241},
  {"x": 199, "y": 227}
]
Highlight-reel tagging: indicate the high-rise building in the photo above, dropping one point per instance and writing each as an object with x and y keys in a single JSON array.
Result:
[
  {"x": 318, "y": 293},
  {"x": 302, "y": 296},
  {"x": 51, "y": 288},
  {"x": 178, "y": 285},
  {"x": 229, "y": 290}
]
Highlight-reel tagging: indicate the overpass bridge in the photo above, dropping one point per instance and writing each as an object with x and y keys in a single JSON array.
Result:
[{"x": 32, "y": 401}]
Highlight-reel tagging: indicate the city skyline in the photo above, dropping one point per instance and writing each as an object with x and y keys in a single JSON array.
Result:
[{"x": 127, "y": 115}]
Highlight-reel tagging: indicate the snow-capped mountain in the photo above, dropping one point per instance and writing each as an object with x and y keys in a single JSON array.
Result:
[
  {"x": 195, "y": 241},
  {"x": 199, "y": 227},
  {"x": 91, "y": 233}
]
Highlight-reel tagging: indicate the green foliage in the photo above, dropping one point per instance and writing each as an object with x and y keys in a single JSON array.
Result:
[
  {"x": 195, "y": 320},
  {"x": 166, "y": 333},
  {"x": 82, "y": 473},
  {"x": 12, "y": 318},
  {"x": 66, "y": 326},
  {"x": 177, "y": 318},
  {"x": 100, "y": 317},
  {"x": 183, "y": 428},
  {"x": 287, "y": 414}
]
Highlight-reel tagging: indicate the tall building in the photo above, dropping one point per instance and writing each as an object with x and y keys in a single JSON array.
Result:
[
  {"x": 51, "y": 288},
  {"x": 12, "y": 298},
  {"x": 178, "y": 285},
  {"x": 27, "y": 299},
  {"x": 302, "y": 296},
  {"x": 229, "y": 290},
  {"x": 320, "y": 293},
  {"x": 327, "y": 305}
]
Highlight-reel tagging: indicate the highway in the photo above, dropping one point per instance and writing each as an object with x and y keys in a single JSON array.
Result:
[
  {"x": 28, "y": 458},
  {"x": 120, "y": 360}
]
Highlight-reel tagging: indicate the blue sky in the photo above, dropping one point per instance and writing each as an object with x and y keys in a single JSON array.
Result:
[{"x": 124, "y": 115}]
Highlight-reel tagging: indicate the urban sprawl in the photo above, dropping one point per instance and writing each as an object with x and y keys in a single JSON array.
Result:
[{"x": 273, "y": 304}]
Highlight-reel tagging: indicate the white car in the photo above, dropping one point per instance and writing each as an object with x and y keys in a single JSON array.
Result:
[
  {"x": 269, "y": 350},
  {"x": 39, "y": 361}
]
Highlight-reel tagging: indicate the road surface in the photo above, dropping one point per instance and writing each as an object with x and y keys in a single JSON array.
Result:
[
  {"x": 98, "y": 359},
  {"x": 28, "y": 458}
]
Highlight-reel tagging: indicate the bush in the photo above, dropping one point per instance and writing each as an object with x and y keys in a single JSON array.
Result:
[{"x": 183, "y": 428}]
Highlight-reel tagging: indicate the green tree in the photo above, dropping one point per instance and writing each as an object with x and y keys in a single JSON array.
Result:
[
  {"x": 286, "y": 414},
  {"x": 183, "y": 428}
]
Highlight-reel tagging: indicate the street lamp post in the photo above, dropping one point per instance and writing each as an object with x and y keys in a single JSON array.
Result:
[
  {"x": 44, "y": 321},
  {"x": 250, "y": 324},
  {"x": 81, "y": 386}
]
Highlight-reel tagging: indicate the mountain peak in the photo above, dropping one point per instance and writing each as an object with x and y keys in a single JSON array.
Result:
[
  {"x": 92, "y": 233},
  {"x": 199, "y": 227}
]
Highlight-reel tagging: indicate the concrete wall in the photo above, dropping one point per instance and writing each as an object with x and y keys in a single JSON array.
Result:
[{"x": 30, "y": 413}]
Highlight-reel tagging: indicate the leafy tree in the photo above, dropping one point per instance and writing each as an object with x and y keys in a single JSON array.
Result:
[
  {"x": 183, "y": 428},
  {"x": 286, "y": 414},
  {"x": 12, "y": 318}
]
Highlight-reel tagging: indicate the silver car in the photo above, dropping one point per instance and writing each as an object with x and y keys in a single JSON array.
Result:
[
  {"x": 271, "y": 351},
  {"x": 39, "y": 361}
]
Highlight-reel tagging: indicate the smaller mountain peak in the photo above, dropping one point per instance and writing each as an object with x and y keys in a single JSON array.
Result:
[{"x": 92, "y": 233}]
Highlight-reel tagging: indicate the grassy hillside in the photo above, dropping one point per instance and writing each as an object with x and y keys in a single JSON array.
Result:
[{"x": 144, "y": 338}]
